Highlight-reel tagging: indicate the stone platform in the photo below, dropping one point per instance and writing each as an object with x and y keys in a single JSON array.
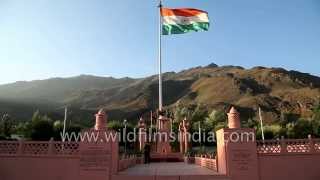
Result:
[
  {"x": 174, "y": 168},
  {"x": 175, "y": 171},
  {"x": 170, "y": 157}
]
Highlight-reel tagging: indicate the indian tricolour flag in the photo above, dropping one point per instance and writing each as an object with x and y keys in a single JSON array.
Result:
[{"x": 178, "y": 21}]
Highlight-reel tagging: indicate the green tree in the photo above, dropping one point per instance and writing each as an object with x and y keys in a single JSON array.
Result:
[
  {"x": 271, "y": 131},
  {"x": 216, "y": 119},
  {"x": 22, "y": 128},
  {"x": 302, "y": 128},
  {"x": 180, "y": 113},
  {"x": 252, "y": 123},
  {"x": 6, "y": 125},
  {"x": 115, "y": 125},
  {"x": 299, "y": 129},
  {"x": 42, "y": 130},
  {"x": 288, "y": 117},
  {"x": 316, "y": 113},
  {"x": 58, "y": 125},
  {"x": 199, "y": 114},
  {"x": 57, "y": 129},
  {"x": 36, "y": 116},
  {"x": 316, "y": 121},
  {"x": 220, "y": 125},
  {"x": 290, "y": 130}
]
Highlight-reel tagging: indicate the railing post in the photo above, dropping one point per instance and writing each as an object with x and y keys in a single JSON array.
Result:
[
  {"x": 217, "y": 164},
  {"x": 283, "y": 145},
  {"x": 50, "y": 147},
  {"x": 311, "y": 144},
  {"x": 20, "y": 148}
]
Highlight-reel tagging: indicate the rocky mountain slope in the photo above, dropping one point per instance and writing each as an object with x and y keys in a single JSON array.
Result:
[{"x": 276, "y": 90}]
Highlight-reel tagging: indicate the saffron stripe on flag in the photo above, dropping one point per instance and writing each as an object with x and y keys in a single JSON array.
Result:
[{"x": 181, "y": 12}]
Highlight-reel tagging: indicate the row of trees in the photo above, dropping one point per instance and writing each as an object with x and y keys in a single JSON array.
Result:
[
  {"x": 199, "y": 117},
  {"x": 293, "y": 127},
  {"x": 41, "y": 127},
  {"x": 289, "y": 125},
  {"x": 209, "y": 120}
]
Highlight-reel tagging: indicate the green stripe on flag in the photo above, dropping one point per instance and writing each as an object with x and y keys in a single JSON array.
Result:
[{"x": 168, "y": 29}]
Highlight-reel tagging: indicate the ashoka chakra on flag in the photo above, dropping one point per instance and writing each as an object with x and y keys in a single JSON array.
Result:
[{"x": 178, "y": 21}]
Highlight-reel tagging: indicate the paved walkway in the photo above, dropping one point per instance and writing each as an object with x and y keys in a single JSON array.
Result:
[{"x": 160, "y": 169}]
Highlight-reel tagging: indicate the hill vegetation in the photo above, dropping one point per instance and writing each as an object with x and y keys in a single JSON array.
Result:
[{"x": 284, "y": 96}]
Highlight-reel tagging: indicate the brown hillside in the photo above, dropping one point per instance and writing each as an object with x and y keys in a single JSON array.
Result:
[{"x": 276, "y": 90}]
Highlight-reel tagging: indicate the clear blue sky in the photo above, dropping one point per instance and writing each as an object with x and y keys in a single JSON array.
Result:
[{"x": 60, "y": 38}]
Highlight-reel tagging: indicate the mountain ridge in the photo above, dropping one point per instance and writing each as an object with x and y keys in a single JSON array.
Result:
[{"x": 276, "y": 90}]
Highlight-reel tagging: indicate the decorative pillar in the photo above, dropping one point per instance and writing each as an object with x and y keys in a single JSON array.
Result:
[
  {"x": 142, "y": 134},
  {"x": 237, "y": 150},
  {"x": 163, "y": 144},
  {"x": 311, "y": 144},
  {"x": 21, "y": 146},
  {"x": 186, "y": 126},
  {"x": 283, "y": 145},
  {"x": 51, "y": 147},
  {"x": 101, "y": 120},
  {"x": 181, "y": 137},
  {"x": 99, "y": 149}
]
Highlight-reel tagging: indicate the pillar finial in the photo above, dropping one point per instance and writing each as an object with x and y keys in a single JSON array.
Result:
[
  {"x": 101, "y": 120},
  {"x": 233, "y": 118},
  {"x": 141, "y": 123}
]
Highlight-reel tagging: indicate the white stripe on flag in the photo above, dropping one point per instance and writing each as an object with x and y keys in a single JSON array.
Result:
[{"x": 183, "y": 20}]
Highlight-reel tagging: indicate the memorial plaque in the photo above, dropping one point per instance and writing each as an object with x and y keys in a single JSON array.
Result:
[
  {"x": 241, "y": 158},
  {"x": 94, "y": 158},
  {"x": 98, "y": 151}
]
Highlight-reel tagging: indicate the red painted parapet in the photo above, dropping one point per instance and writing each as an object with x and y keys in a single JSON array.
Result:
[
  {"x": 29, "y": 160},
  {"x": 293, "y": 159},
  {"x": 206, "y": 162},
  {"x": 88, "y": 159},
  {"x": 291, "y": 146},
  {"x": 38, "y": 148},
  {"x": 129, "y": 161},
  {"x": 10, "y": 148}
]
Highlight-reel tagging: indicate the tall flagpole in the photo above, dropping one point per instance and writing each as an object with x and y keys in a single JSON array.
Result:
[
  {"x": 64, "y": 122},
  {"x": 151, "y": 119},
  {"x": 159, "y": 58},
  {"x": 261, "y": 124}
]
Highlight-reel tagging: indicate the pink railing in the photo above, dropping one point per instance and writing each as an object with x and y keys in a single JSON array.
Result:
[
  {"x": 282, "y": 145},
  {"x": 38, "y": 148},
  {"x": 317, "y": 145},
  {"x": 206, "y": 161}
]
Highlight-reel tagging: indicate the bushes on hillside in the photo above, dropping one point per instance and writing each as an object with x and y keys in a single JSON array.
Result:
[{"x": 43, "y": 128}]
